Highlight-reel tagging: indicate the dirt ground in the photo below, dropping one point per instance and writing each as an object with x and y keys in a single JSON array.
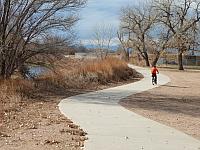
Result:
[
  {"x": 37, "y": 123},
  {"x": 176, "y": 104},
  {"x": 40, "y": 125}
]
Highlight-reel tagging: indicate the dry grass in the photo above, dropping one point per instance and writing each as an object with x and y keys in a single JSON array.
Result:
[
  {"x": 72, "y": 74},
  {"x": 30, "y": 106},
  {"x": 12, "y": 92},
  {"x": 108, "y": 70},
  {"x": 87, "y": 74},
  {"x": 136, "y": 61}
]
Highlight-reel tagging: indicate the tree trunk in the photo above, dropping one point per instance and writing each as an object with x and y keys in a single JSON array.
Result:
[
  {"x": 3, "y": 69},
  {"x": 6, "y": 70},
  {"x": 144, "y": 56},
  {"x": 180, "y": 60},
  {"x": 126, "y": 56},
  {"x": 156, "y": 59},
  {"x": 146, "y": 59}
]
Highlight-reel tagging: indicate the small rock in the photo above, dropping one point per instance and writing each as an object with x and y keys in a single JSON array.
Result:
[
  {"x": 4, "y": 135},
  {"x": 126, "y": 137}
]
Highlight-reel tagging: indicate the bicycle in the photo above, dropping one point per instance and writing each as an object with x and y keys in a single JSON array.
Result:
[{"x": 154, "y": 79}]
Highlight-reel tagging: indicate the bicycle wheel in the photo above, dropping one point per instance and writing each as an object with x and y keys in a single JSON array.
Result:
[{"x": 153, "y": 80}]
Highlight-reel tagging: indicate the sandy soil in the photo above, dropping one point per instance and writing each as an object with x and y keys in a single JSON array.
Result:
[
  {"x": 37, "y": 124},
  {"x": 176, "y": 104},
  {"x": 40, "y": 125}
]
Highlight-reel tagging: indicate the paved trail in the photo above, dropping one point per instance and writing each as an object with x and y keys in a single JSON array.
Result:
[{"x": 112, "y": 127}]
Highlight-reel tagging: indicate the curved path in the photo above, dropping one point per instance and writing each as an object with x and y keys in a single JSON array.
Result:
[{"x": 112, "y": 127}]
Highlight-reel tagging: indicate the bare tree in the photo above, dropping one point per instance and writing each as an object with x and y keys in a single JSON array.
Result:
[
  {"x": 158, "y": 41},
  {"x": 102, "y": 39},
  {"x": 125, "y": 43},
  {"x": 52, "y": 49},
  {"x": 180, "y": 17},
  {"x": 25, "y": 22},
  {"x": 138, "y": 22}
]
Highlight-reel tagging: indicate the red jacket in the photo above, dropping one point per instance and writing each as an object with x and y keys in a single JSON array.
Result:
[{"x": 154, "y": 70}]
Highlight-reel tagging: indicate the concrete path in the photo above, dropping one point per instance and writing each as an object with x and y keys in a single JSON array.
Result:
[{"x": 112, "y": 127}]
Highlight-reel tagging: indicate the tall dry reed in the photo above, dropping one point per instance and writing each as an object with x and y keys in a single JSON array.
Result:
[{"x": 89, "y": 73}]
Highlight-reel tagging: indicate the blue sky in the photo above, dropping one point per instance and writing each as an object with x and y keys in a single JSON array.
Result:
[{"x": 98, "y": 12}]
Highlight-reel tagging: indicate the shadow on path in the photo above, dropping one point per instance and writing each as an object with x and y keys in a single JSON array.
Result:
[
  {"x": 174, "y": 86},
  {"x": 157, "y": 102}
]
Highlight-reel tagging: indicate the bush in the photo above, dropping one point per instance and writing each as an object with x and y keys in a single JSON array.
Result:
[
  {"x": 87, "y": 74},
  {"x": 107, "y": 70}
]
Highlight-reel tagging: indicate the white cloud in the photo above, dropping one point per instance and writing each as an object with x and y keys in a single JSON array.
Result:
[
  {"x": 98, "y": 12},
  {"x": 114, "y": 42}
]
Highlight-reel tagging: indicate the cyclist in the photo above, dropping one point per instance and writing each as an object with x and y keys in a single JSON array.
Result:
[{"x": 154, "y": 72}]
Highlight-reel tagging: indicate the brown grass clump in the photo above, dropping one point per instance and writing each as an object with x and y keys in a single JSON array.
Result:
[
  {"x": 107, "y": 70},
  {"x": 69, "y": 75},
  {"x": 87, "y": 74}
]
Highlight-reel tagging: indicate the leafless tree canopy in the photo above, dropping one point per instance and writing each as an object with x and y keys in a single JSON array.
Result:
[
  {"x": 137, "y": 22},
  {"x": 102, "y": 39},
  {"x": 181, "y": 17},
  {"x": 124, "y": 39},
  {"x": 177, "y": 22},
  {"x": 24, "y": 22}
]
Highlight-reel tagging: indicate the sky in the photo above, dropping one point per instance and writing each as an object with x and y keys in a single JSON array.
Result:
[{"x": 99, "y": 12}]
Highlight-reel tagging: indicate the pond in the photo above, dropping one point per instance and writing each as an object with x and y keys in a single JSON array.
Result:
[{"x": 35, "y": 71}]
